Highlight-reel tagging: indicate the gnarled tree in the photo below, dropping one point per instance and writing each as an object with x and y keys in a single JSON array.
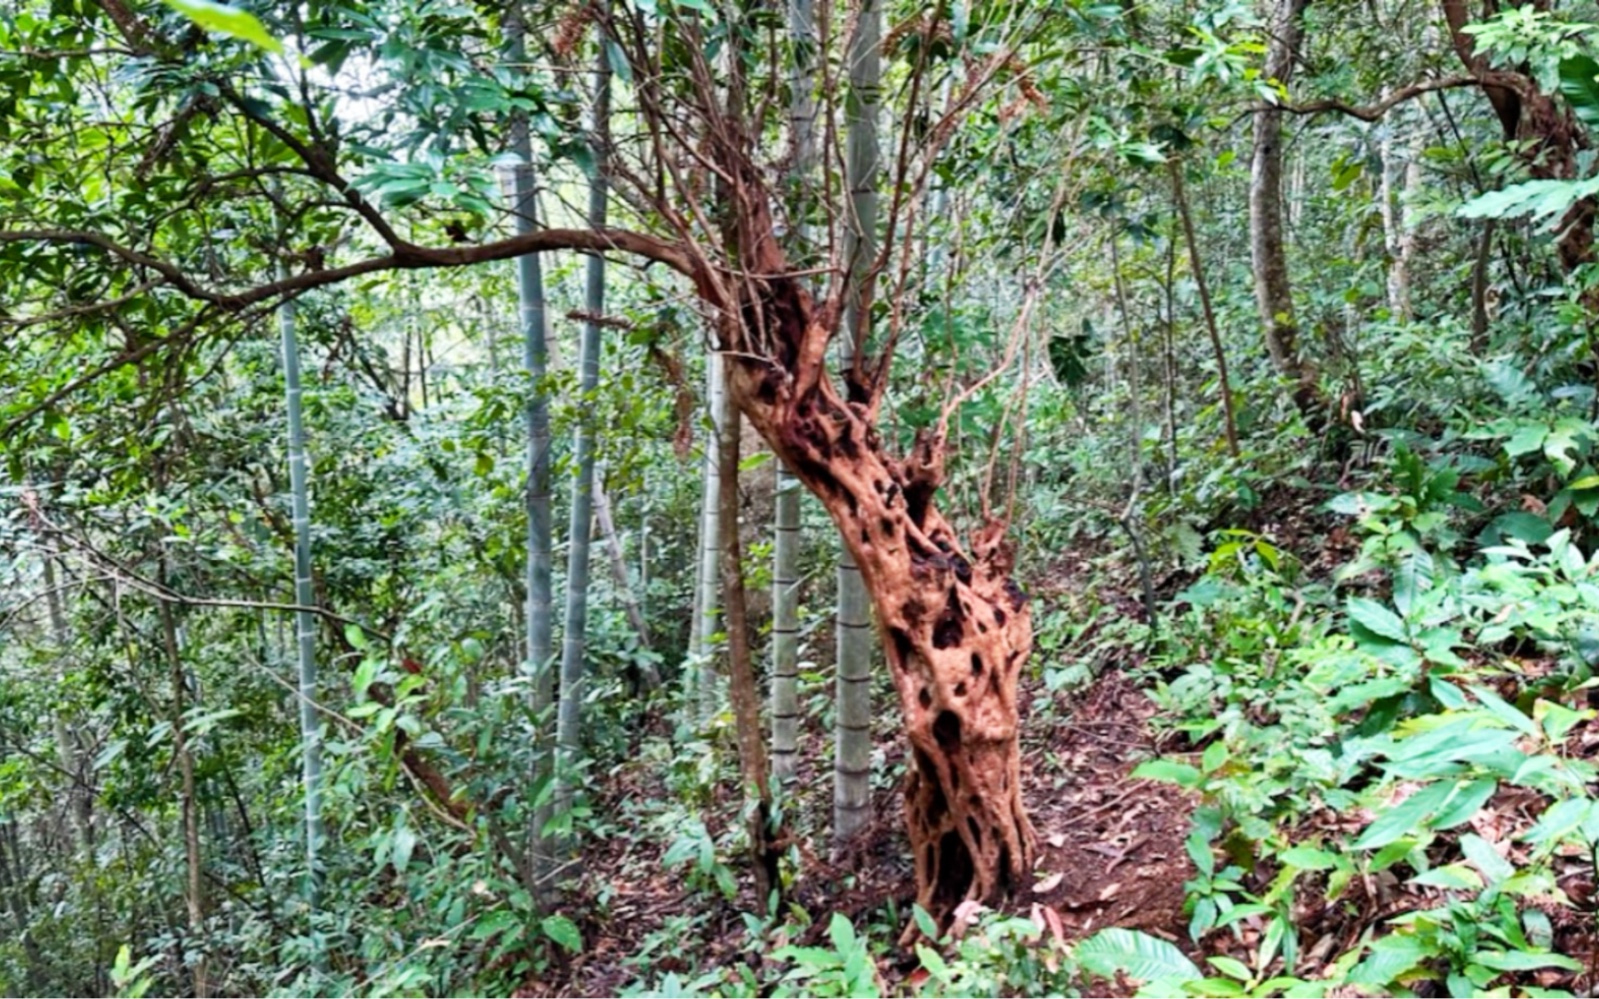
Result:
[{"x": 955, "y": 627}]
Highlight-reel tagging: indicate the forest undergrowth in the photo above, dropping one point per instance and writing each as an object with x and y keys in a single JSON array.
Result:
[{"x": 1309, "y": 776}]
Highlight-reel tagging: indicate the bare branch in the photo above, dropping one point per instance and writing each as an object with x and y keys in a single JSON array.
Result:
[{"x": 1374, "y": 112}]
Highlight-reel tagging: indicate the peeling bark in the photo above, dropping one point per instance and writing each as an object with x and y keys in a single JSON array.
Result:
[{"x": 956, "y": 628}]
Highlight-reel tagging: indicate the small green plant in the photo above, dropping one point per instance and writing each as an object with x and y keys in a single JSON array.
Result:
[
  {"x": 845, "y": 969},
  {"x": 132, "y": 981}
]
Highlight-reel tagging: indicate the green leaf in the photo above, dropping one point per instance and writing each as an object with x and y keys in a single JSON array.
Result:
[
  {"x": 1560, "y": 819},
  {"x": 1527, "y": 438},
  {"x": 1541, "y": 199},
  {"x": 1520, "y": 960},
  {"x": 842, "y": 932},
  {"x": 1579, "y": 82},
  {"x": 1137, "y": 955},
  {"x": 1465, "y": 803},
  {"x": 1377, "y": 619},
  {"x": 404, "y": 846},
  {"x": 1231, "y": 967},
  {"x": 933, "y": 962},
  {"x": 1308, "y": 858},
  {"x": 227, "y": 21},
  {"x": 1405, "y": 817},
  {"x": 1391, "y": 957},
  {"x": 1170, "y": 771},
  {"x": 1453, "y": 877},
  {"x": 1486, "y": 859},
  {"x": 564, "y": 932}
]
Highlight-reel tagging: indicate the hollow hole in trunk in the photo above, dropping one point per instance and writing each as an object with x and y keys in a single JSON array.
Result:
[
  {"x": 902, "y": 647},
  {"x": 955, "y": 871},
  {"x": 977, "y": 830},
  {"x": 924, "y": 698},
  {"x": 960, "y": 690},
  {"x": 977, "y": 664},
  {"x": 947, "y": 730}
]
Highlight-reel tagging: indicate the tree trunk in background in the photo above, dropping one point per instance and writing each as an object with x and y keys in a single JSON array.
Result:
[
  {"x": 71, "y": 756},
  {"x": 1401, "y": 175},
  {"x": 1480, "y": 285},
  {"x": 702, "y": 664},
  {"x": 852, "y": 759},
  {"x": 741, "y": 672},
  {"x": 568, "y": 732},
  {"x": 786, "y": 545},
  {"x": 624, "y": 583},
  {"x": 194, "y": 898},
  {"x": 530, "y": 296},
  {"x": 1195, "y": 264},
  {"x": 1268, "y": 251},
  {"x": 305, "y": 621}
]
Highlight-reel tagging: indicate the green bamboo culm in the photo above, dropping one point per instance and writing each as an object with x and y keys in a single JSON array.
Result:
[
  {"x": 536, "y": 416},
  {"x": 786, "y": 544},
  {"x": 304, "y": 618},
  {"x": 707, "y": 685},
  {"x": 853, "y": 742},
  {"x": 568, "y": 729}
]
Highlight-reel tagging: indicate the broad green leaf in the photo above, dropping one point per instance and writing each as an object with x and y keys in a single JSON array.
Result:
[
  {"x": 227, "y": 20},
  {"x": 1540, "y": 199},
  {"x": 1581, "y": 88},
  {"x": 1485, "y": 858},
  {"x": 1377, "y": 619},
  {"x": 563, "y": 931},
  {"x": 1559, "y": 820},
  {"x": 1526, "y": 439},
  {"x": 1136, "y": 955},
  {"x": 1170, "y": 771},
  {"x": 1308, "y": 858},
  {"x": 1466, "y": 802},
  {"x": 1231, "y": 967},
  {"x": 933, "y": 962},
  {"x": 1453, "y": 877},
  {"x": 1391, "y": 957},
  {"x": 1521, "y": 960},
  {"x": 1407, "y": 816}
]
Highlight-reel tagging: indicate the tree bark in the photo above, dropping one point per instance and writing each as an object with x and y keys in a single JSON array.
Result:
[
  {"x": 785, "y": 626},
  {"x": 194, "y": 898},
  {"x": 956, "y": 628},
  {"x": 1268, "y": 250},
  {"x": 73, "y": 759},
  {"x": 1194, "y": 263},
  {"x": 741, "y": 675},
  {"x": 624, "y": 583}
]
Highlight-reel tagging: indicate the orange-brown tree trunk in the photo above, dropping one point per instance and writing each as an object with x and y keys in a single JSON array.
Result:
[{"x": 956, "y": 628}]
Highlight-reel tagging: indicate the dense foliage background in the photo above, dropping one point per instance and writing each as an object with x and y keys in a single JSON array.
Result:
[{"x": 1309, "y": 522}]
